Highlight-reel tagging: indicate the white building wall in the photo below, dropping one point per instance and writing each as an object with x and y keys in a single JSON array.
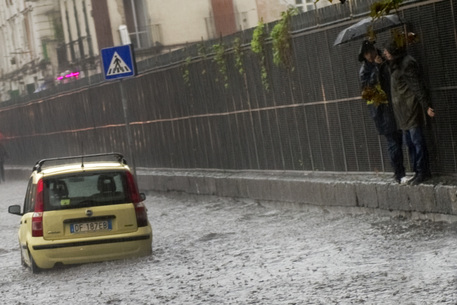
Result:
[
  {"x": 116, "y": 14},
  {"x": 307, "y": 5},
  {"x": 180, "y": 22},
  {"x": 248, "y": 16},
  {"x": 270, "y": 10}
]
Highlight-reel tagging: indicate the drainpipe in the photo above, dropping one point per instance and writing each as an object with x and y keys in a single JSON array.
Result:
[
  {"x": 135, "y": 21},
  {"x": 78, "y": 30},
  {"x": 72, "y": 50},
  {"x": 89, "y": 38}
]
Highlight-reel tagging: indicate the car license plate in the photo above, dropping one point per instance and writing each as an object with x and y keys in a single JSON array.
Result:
[{"x": 93, "y": 226}]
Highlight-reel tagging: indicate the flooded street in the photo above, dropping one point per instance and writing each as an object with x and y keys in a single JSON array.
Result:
[{"x": 212, "y": 250}]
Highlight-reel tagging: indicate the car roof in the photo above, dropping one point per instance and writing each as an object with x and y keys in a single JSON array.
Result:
[
  {"x": 90, "y": 166},
  {"x": 78, "y": 164}
]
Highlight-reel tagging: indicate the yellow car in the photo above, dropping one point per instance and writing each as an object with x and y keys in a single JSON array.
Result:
[{"x": 82, "y": 209}]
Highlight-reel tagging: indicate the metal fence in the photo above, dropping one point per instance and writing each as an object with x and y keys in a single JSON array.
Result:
[{"x": 184, "y": 114}]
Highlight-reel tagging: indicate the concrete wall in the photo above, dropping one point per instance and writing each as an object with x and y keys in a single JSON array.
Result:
[
  {"x": 433, "y": 200},
  {"x": 374, "y": 191}
]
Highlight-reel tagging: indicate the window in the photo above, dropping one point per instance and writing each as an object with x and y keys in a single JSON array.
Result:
[
  {"x": 305, "y": 5},
  {"x": 29, "y": 202},
  {"x": 137, "y": 24},
  {"x": 85, "y": 190},
  {"x": 310, "y": 5}
]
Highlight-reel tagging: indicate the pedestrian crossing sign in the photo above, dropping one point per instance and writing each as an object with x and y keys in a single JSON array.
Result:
[{"x": 118, "y": 62}]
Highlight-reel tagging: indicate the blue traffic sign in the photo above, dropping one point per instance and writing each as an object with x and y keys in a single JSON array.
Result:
[{"x": 118, "y": 62}]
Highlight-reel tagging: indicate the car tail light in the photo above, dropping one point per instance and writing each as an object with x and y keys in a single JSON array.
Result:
[
  {"x": 140, "y": 208},
  {"x": 141, "y": 214},
  {"x": 37, "y": 217}
]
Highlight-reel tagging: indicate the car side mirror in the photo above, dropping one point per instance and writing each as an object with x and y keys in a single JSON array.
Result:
[
  {"x": 143, "y": 196},
  {"x": 15, "y": 209}
]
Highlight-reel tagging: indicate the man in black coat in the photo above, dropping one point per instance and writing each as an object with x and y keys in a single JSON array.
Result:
[
  {"x": 411, "y": 104},
  {"x": 375, "y": 79}
]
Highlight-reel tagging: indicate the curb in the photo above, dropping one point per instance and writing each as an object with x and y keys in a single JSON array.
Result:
[
  {"x": 298, "y": 188},
  {"x": 364, "y": 190}
]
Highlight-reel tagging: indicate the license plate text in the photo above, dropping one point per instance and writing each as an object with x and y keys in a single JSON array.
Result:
[{"x": 92, "y": 226}]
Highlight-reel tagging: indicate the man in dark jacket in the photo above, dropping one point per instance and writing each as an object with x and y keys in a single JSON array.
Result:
[
  {"x": 375, "y": 79},
  {"x": 410, "y": 102}
]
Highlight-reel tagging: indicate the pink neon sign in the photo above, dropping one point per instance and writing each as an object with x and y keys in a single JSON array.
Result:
[{"x": 73, "y": 74}]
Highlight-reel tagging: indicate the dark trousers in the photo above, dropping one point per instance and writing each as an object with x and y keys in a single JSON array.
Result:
[
  {"x": 417, "y": 149},
  {"x": 394, "y": 147}
]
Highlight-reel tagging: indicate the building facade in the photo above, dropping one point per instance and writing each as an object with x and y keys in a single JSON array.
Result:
[
  {"x": 80, "y": 43},
  {"x": 28, "y": 52},
  {"x": 48, "y": 42}
]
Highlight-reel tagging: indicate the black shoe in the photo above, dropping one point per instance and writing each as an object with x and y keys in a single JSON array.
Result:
[
  {"x": 419, "y": 178},
  {"x": 411, "y": 179},
  {"x": 398, "y": 177}
]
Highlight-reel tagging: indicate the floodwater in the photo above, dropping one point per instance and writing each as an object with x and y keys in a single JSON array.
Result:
[{"x": 212, "y": 250}]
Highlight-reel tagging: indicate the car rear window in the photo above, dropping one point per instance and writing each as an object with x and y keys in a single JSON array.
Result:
[{"x": 85, "y": 190}]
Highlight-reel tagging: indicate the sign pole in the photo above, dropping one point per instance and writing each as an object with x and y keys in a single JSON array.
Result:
[
  {"x": 118, "y": 63},
  {"x": 127, "y": 126}
]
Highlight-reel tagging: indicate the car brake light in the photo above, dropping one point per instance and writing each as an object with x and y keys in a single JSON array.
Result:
[
  {"x": 133, "y": 189},
  {"x": 141, "y": 214},
  {"x": 37, "y": 224},
  {"x": 37, "y": 217},
  {"x": 140, "y": 208}
]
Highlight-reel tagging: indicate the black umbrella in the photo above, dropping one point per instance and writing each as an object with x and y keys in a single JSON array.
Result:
[{"x": 361, "y": 28}]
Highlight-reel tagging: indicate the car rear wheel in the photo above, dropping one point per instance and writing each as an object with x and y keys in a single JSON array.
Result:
[
  {"x": 22, "y": 260},
  {"x": 33, "y": 267}
]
